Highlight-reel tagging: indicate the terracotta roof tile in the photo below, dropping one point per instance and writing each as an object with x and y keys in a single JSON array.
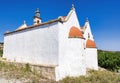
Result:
[
  {"x": 33, "y": 26},
  {"x": 62, "y": 19},
  {"x": 90, "y": 44},
  {"x": 75, "y": 33}
]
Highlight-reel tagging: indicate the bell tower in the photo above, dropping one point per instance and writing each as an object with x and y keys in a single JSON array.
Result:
[{"x": 37, "y": 19}]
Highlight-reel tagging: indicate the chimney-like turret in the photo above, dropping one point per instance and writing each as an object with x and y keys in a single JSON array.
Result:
[{"x": 37, "y": 19}]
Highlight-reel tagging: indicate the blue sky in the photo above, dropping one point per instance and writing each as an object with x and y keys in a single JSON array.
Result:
[{"x": 104, "y": 16}]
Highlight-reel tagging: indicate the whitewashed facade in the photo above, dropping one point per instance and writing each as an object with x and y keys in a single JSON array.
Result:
[{"x": 60, "y": 43}]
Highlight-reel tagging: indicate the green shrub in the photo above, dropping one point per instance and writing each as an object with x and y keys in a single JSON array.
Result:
[
  {"x": 1, "y": 53},
  {"x": 109, "y": 60},
  {"x": 27, "y": 67}
]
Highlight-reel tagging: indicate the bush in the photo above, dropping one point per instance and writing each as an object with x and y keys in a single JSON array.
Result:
[
  {"x": 1, "y": 53},
  {"x": 109, "y": 60},
  {"x": 27, "y": 67}
]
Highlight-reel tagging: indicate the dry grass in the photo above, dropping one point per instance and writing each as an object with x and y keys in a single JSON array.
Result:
[
  {"x": 94, "y": 77},
  {"x": 10, "y": 70}
]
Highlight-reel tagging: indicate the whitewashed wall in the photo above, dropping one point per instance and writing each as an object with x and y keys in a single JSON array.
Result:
[
  {"x": 90, "y": 53},
  {"x": 71, "y": 59},
  {"x": 91, "y": 58},
  {"x": 88, "y": 30},
  {"x": 36, "y": 46}
]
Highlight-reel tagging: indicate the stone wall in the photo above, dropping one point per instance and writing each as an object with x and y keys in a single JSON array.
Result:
[{"x": 47, "y": 72}]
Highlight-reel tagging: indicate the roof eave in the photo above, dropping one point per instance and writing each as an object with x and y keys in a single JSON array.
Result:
[{"x": 33, "y": 26}]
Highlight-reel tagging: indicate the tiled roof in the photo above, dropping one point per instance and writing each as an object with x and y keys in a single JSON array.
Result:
[
  {"x": 33, "y": 26},
  {"x": 59, "y": 19},
  {"x": 90, "y": 44},
  {"x": 22, "y": 27},
  {"x": 75, "y": 33}
]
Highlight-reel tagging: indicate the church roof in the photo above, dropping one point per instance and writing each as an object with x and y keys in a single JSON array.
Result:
[
  {"x": 59, "y": 19},
  {"x": 24, "y": 25},
  {"x": 33, "y": 26},
  {"x": 75, "y": 33},
  {"x": 85, "y": 25},
  {"x": 83, "y": 29},
  {"x": 90, "y": 44}
]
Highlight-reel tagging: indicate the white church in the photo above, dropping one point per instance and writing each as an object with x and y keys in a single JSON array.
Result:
[{"x": 60, "y": 42}]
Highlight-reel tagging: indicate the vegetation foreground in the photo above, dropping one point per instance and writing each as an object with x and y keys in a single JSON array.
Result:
[
  {"x": 94, "y": 77},
  {"x": 108, "y": 60},
  {"x": 10, "y": 71}
]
